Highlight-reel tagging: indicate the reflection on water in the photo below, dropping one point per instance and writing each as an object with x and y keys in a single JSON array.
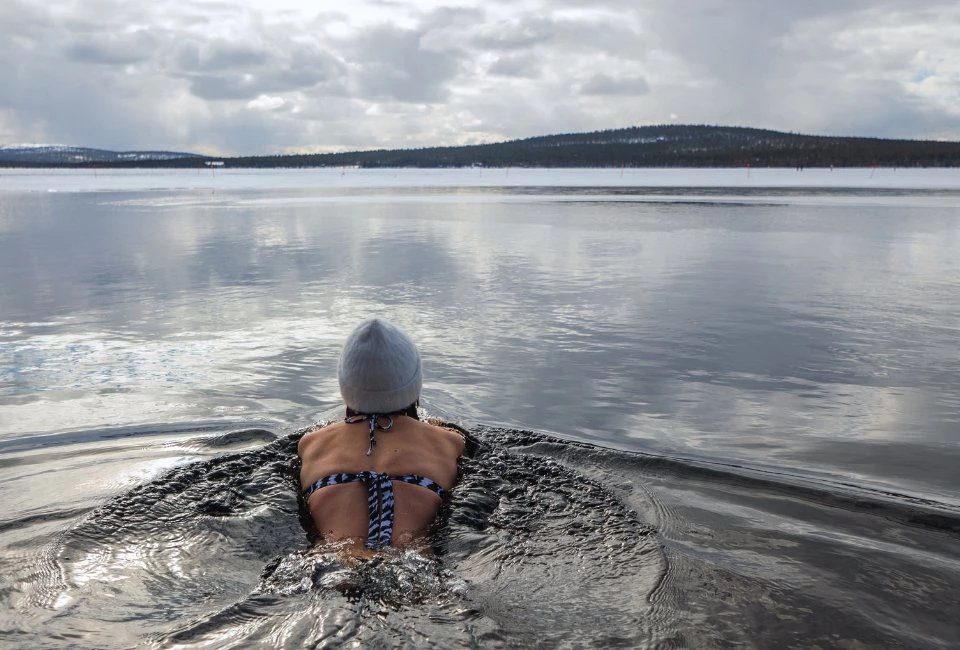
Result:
[
  {"x": 774, "y": 332},
  {"x": 785, "y": 362}
]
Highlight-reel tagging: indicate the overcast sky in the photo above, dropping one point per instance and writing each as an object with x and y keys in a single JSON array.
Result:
[{"x": 265, "y": 76}]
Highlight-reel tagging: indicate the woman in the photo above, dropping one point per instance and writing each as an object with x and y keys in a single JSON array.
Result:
[{"x": 377, "y": 479}]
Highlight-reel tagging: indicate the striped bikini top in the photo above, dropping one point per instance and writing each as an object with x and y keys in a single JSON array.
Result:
[
  {"x": 379, "y": 486},
  {"x": 379, "y": 499}
]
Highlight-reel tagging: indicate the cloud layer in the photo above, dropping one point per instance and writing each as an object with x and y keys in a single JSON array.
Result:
[{"x": 262, "y": 77}]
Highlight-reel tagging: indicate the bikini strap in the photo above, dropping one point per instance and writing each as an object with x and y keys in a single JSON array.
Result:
[
  {"x": 380, "y": 499},
  {"x": 375, "y": 423}
]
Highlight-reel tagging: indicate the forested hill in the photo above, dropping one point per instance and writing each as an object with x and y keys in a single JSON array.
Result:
[
  {"x": 645, "y": 146},
  {"x": 65, "y": 155}
]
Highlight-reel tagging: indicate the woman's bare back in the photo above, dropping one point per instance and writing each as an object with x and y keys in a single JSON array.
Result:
[{"x": 410, "y": 447}]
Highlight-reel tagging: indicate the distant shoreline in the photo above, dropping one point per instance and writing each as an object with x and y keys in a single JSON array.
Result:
[{"x": 648, "y": 147}]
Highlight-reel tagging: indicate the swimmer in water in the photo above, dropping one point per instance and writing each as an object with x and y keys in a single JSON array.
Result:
[{"x": 378, "y": 478}]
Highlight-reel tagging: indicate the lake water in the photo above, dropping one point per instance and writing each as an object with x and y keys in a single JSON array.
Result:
[{"x": 713, "y": 407}]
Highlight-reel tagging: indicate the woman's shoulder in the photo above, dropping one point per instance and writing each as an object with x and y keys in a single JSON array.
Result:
[
  {"x": 319, "y": 432},
  {"x": 471, "y": 444},
  {"x": 453, "y": 434}
]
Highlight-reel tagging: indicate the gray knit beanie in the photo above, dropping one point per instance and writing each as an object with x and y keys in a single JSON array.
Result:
[{"x": 379, "y": 369}]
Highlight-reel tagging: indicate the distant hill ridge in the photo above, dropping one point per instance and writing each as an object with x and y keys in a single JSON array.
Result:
[
  {"x": 668, "y": 145},
  {"x": 60, "y": 154}
]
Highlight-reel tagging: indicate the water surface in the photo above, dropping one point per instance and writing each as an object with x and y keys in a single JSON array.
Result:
[{"x": 759, "y": 385}]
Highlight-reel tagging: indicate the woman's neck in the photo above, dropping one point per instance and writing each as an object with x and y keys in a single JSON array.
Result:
[{"x": 410, "y": 412}]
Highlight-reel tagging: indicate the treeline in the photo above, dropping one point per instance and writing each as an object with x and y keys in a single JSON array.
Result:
[{"x": 647, "y": 146}]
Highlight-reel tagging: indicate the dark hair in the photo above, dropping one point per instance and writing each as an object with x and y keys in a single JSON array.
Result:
[{"x": 410, "y": 412}]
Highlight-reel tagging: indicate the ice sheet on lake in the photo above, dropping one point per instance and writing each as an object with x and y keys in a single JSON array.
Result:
[{"x": 90, "y": 180}]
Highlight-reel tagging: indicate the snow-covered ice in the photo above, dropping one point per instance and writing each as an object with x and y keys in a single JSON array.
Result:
[{"x": 332, "y": 178}]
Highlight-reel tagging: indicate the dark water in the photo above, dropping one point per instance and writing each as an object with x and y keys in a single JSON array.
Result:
[{"x": 716, "y": 418}]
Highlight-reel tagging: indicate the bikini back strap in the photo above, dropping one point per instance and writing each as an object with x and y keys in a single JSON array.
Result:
[
  {"x": 380, "y": 500},
  {"x": 376, "y": 422}
]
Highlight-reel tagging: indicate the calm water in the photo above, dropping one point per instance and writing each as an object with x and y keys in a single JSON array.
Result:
[{"x": 758, "y": 386}]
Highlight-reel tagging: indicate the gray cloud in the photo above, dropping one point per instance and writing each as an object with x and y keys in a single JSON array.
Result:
[
  {"x": 244, "y": 77},
  {"x": 516, "y": 66},
  {"x": 234, "y": 85},
  {"x": 112, "y": 50},
  {"x": 186, "y": 56},
  {"x": 601, "y": 84},
  {"x": 392, "y": 65},
  {"x": 220, "y": 55},
  {"x": 217, "y": 71},
  {"x": 514, "y": 34},
  {"x": 443, "y": 17}
]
